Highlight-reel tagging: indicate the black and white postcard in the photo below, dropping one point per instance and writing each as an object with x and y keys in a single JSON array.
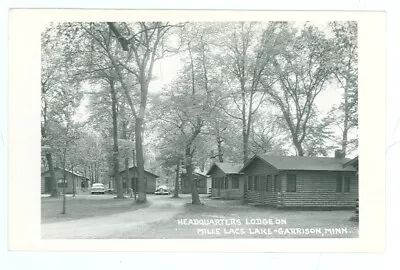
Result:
[{"x": 220, "y": 130}]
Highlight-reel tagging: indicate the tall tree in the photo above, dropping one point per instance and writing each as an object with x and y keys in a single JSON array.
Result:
[
  {"x": 346, "y": 74},
  {"x": 189, "y": 102},
  {"x": 267, "y": 136},
  {"x": 250, "y": 50},
  {"x": 144, "y": 46},
  {"x": 60, "y": 93},
  {"x": 302, "y": 69}
]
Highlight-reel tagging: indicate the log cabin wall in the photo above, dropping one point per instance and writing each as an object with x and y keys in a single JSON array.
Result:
[
  {"x": 259, "y": 171},
  {"x": 218, "y": 190},
  {"x": 319, "y": 189},
  {"x": 313, "y": 189},
  {"x": 201, "y": 185}
]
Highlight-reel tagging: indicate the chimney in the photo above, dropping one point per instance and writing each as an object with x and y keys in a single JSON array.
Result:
[{"x": 338, "y": 153}]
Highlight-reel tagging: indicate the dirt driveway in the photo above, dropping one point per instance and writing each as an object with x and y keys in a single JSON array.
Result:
[{"x": 135, "y": 223}]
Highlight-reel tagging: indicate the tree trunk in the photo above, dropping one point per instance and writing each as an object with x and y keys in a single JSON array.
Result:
[
  {"x": 64, "y": 208},
  {"x": 189, "y": 172},
  {"x": 115, "y": 139},
  {"x": 127, "y": 175},
  {"x": 140, "y": 161},
  {"x": 245, "y": 135},
  {"x": 219, "y": 144},
  {"x": 49, "y": 158},
  {"x": 53, "y": 181},
  {"x": 346, "y": 121},
  {"x": 135, "y": 179},
  {"x": 176, "y": 191},
  {"x": 299, "y": 147},
  {"x": 73, "y": 183},
  {"x": 125, "y": 137},
  {"x": 245, "y": 146}
]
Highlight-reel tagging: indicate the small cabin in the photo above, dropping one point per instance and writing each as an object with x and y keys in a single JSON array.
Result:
[
  {"x": 200, "y": 179},
  {"x": 149, "y": 177},
  {"x": 298, "y": 181},
  {"x": 227, "y": 180},
  {"x": 74, "y": 181}
]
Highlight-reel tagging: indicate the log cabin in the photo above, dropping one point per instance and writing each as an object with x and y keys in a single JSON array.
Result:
[
  {"x": 73, "y": 181},
  {"x": 200, "y": 179},
  {"x": 227, "y": 181},
  {"x": 300, "y": 182},
  {"x": 150, "y": 179}
]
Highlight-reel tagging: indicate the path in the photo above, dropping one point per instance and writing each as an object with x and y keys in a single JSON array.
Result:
[{"x": 116, "y": 226}]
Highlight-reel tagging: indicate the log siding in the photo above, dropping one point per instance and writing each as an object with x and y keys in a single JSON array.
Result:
[
  {"x": 222, "y": 187},
  {"x": 313, "y": 189}
]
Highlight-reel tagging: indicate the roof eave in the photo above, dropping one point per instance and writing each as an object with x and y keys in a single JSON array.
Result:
[{"x": 251, "y": 160}]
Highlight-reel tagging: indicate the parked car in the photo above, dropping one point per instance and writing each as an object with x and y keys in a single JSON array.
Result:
[
  {"x": 98, "y": 188},
  {"x": 162, "y": 190}
]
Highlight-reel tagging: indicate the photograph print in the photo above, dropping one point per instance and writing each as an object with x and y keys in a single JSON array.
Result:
[{"x": 199, "y": 130}]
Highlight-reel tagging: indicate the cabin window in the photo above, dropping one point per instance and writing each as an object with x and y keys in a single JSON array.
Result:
[
  {"x": 124, "y": 184},
  {"x": 235, "y": 182},
  {"x": 213, "y": 183},
  {"x": 60, "y": 183},
  {"x": 269, "y": 183},
  {"x": 291, "y": 183},
  {"x": 221, "y": 182},
  {"x": 226, "y": 182},
  {"x": 346, "y": 187},
  {"x": 339, "y": 183},
  {"x": 250, "y": 185},
  {"x": 256, "y": 182},
  {"x": 277, "y": 183},
  {"x": 342, "y": 183},
  {"x": 262, "y": 182}
]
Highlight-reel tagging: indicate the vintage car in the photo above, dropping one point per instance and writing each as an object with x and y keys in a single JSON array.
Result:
[
  {"x": 161, "y": 190},
  {"x": 98, "y": 188}
]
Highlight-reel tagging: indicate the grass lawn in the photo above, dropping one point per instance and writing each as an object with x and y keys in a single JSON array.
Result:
[
  {"x": 84, "y": 206},
  {"x": 232, "y": 219}
]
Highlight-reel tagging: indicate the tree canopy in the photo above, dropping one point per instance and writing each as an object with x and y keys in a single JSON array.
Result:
[{"x": 240, "y": 88}]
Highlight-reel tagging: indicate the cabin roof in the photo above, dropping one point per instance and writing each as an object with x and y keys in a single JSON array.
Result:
[
  {"x": 294, "y": 163},
  {"x": 146, "y": 171},
  {"x": 195, "y": 171},
  {"x": 227, "y": 167},
  {"x": 353, "y": 162},
  {"x": 68, "y": 171}
]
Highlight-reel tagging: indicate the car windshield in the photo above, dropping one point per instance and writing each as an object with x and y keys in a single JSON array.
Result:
[{"x": 98, "y": 185}]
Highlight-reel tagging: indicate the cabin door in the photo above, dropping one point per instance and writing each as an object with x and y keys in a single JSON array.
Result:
[
  {"x": 219, "y": 186},
  {"x": 47, "y": 184},
  {"x": 245, "y": 188}
]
